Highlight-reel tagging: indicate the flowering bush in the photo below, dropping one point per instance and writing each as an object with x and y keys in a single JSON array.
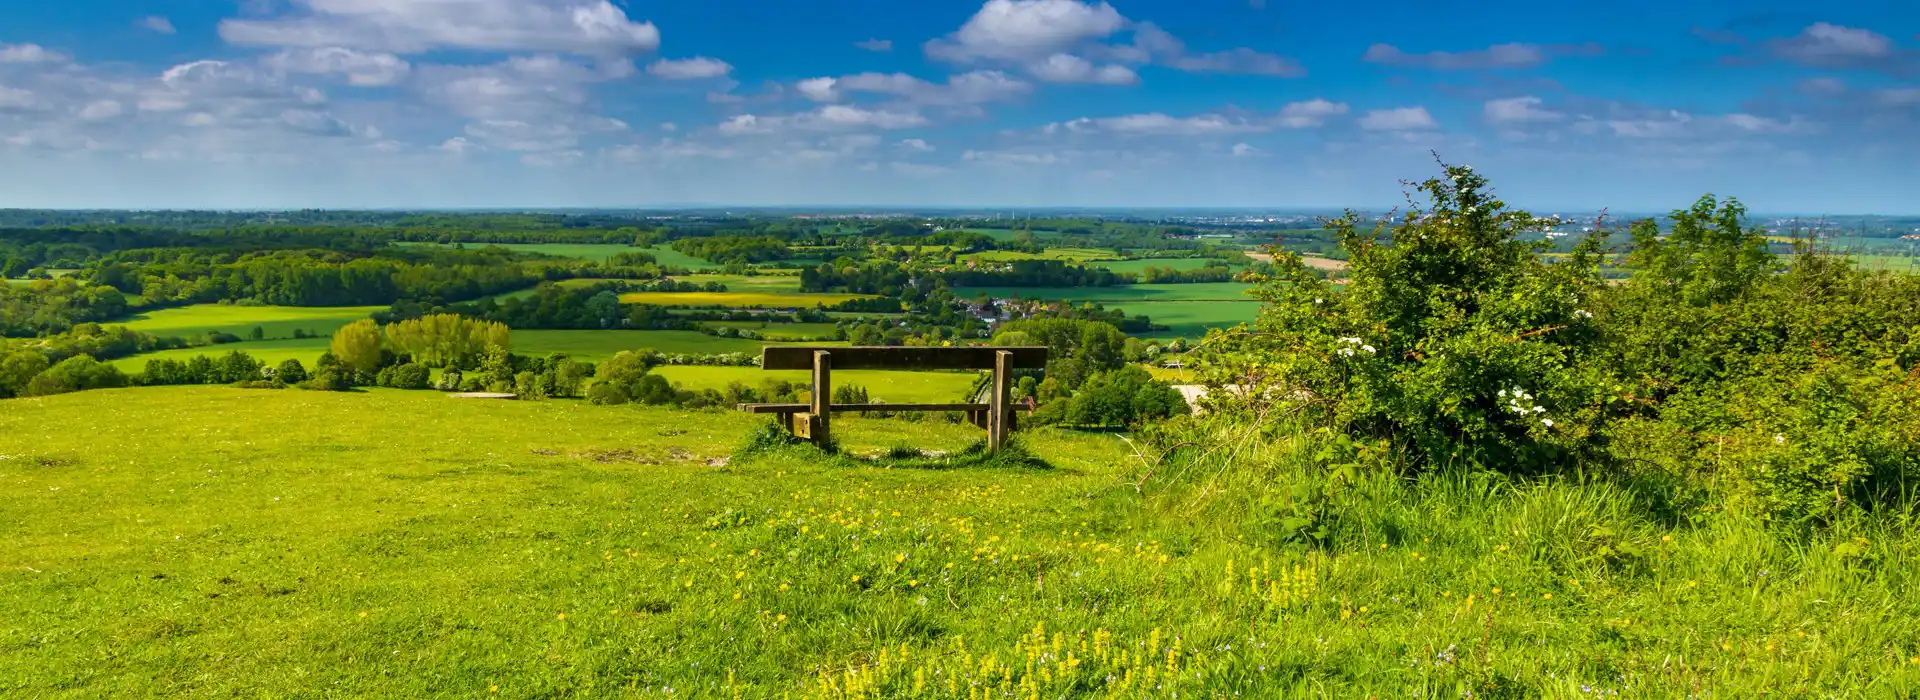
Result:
[{"x": 1454, "y": 341}]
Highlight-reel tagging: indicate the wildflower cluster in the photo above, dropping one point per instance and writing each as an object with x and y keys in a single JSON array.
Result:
[
  {"x": 1352, "y": 345},
  {"x": 1521, "y": 403}
]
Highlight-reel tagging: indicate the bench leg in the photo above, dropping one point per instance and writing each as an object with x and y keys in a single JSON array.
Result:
[{"x": 998, "y": 405}]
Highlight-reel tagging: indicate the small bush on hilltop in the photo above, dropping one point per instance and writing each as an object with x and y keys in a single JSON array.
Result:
[{"x": 1787, "y": 393}]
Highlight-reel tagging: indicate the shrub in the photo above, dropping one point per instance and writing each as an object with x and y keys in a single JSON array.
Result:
[
  {"x": 290, "y": 372},
  {"x": 411, "y": 376},
  {"x": 77, "y": 373}
]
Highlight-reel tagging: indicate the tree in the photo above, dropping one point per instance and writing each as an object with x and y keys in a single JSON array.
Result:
[
  {"x": 290, "y": 372},
  {"x": 447, "y": 340},
  {"x": 357, "y": 346},
  {"x": 496, "y": 371},
  {"x": 77, "y": 373},
  {"x": 18, "y": 366},
  {"x": 411, "y": 375},
  {"x": 865, "y": 334}
]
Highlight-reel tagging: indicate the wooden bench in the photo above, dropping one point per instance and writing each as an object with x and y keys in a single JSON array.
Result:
[{"x": 812, "y": 420}]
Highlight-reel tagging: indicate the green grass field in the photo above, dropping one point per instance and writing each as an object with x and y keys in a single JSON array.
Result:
[
  {"x": 277, "y": 321},
  {"x": 1891, "y": 263},
  {"x": 216, "y": 542},
  {"x": 884, "y": 385},
  {"x": 583, "y": 251},
  {"x": 1190, "y": 319},
  {"x": 1211, "y": 291},
  {"x": 1138, "y": 266},
  {"x": 760, "y": 300}
]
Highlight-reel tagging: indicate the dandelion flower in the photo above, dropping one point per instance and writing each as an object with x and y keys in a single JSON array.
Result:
[
  {"x": 856, "y": 578},
  {"x": 562, "y": 616},
  {"x": 897, "y": 558}
]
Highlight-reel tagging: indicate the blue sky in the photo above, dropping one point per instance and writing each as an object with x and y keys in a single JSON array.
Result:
[{"x": 1635, "y": 104}]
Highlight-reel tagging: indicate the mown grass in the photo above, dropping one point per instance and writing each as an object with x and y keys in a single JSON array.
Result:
[
  {"x": 761, "y": 300},
  {"x": 667, "y": 256},
  {"x": 277, "y": 322},
  {"x": 207, "y": 541},
  {"x": 1190, "y": 319}
]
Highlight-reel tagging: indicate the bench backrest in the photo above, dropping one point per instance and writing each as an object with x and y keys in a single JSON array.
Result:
[{"x": 801, "y": 357}]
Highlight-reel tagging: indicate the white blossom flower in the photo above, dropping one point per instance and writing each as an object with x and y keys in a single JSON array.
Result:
[
  {"x": 1547, "y": 422},
  {"x": 1368, "y": 348},
  {"x": 1583, "y": 313},
  {"x": 1539, "y": 409},
  {"x": 1779, "y": 439}
]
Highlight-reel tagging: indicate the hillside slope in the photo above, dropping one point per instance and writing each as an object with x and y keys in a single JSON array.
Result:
[{"x": 215, "y": 542}]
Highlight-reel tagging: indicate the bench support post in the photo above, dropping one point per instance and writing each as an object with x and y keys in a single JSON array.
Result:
[
  {"x": 1001, "y": 402},
  {"x": 821, "y": 432}
]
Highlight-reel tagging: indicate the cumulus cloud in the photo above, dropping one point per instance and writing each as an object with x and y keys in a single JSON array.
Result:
[
  {"x": 1676, "y": 124},
  {"x": 1010, "y": 157},
  {"x": 1519, "y": 109},
  {"x": 1242, "y": 150},
  {"x": 1399, "y": 119},
  {"x": 827, "y": 118},
  {"x": 1021, "y": 30},
  {"x": 158, "y": 24},
  {"x": 696, "y": 68},
  {"x": 1514, "y": 55},
  {"x": 1830, "y": 44},
  {"x": 1068, "y": 68},
  {"x": 18, "y": 100},
  {"x": 29, "y": 53},
  {"x": 876, "y": 45},
  {"x": 1310, "y": 113},
  {"x": 976, "y": 87},
  {"x": 595, "y": 27},
  {"x": 359, "y": 68},
  {"x": 916, "y": 146},
  {"x": 101, "y": 110},
  {"x": 1068, "y": 41},
  {"x": 1156, "y": 124}
]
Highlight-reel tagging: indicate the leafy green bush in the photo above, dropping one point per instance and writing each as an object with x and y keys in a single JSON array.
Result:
[
  {"x": 77, "y": 373},
  {"x": 1454, "y": 341}
]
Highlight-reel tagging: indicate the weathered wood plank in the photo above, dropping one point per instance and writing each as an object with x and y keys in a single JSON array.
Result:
[
  {"x": 822, "y": 398},
  {"x": 801, "y": 357},
  {"x": 998, "y": 403}
]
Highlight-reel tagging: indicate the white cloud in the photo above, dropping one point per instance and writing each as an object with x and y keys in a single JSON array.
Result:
[
  {"x": 1068, "y": 68},
  {"x": 1519, "y": 109},
  {"x": 1831, "y": 44},
  {"x": 18, "y": 100},
  {"x": 876, "y": 45},
  {"x": 916, "y": 146},
  {"x": 315, "y": 122},
  {"x": 158, "y": 24},
  {"x": 1310, "y": 113},
  {"x": 1021, "y": 30},
  {"x": 827, "y": 118},
  {"x": 696, "y": 68},
  {"x": 1157, "y": 124},
  {"x": 460, "y": 145},
  {"x": 101, "y": 110},
  {"x": 1675, "y": 124},
  {"x": 976, "y": 87},
  {"x": 596, "y": 27},
  {"x": 1242, "y": 150},
  {"x": 1498, "y": 56},
  {"x": 1010, "y": 158},
  {"x": 1241, "y": 60},
  {"x": 29, "y": 53},
  {"x": 535, "y": 88},
  {"x": 1400, "y": 119},
  {"x": 362, "y": 69},
  {"x": 544, "y": 137}
]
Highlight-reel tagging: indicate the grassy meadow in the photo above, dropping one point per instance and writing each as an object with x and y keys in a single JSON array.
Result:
[
  {"x": 667, "y": 256},
  {"x": 278, "y": 322},
  {"x": 778, "y": 331},
  {"x": 1190, "y": 319},
  {"x": 1140, "y": 265},
  {"x": 216, "y": 542},
  {"x": 1066, "y": 254}
]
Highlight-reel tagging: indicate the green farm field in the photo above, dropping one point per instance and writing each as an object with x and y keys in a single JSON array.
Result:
[
  {"x": 217, "y": 542},
  {"x": 1190, "y": 319},
  {"x": 774, "y": 284},
  {"x": 278, "y": 322},
  {"x": 1138, "y": 266}
]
